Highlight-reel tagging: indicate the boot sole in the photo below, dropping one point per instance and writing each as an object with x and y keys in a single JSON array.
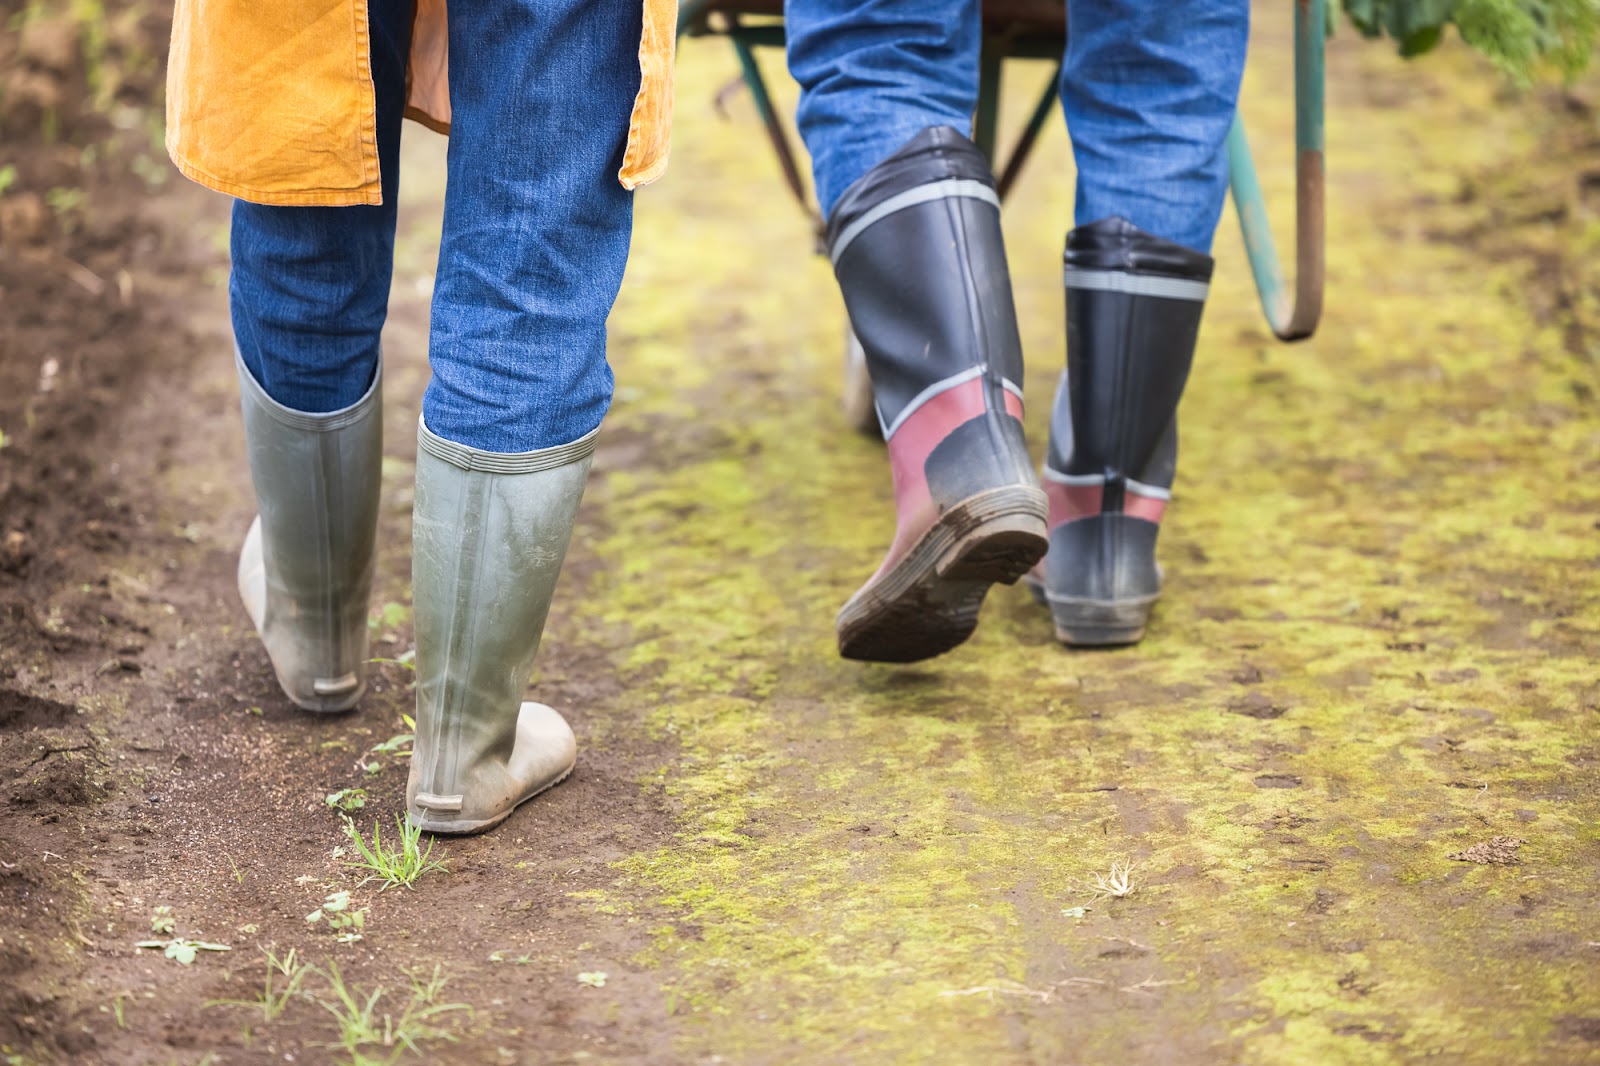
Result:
[
  {"x": 338, "y": 705},
  {"x": 1082, "y": 623},
  {"x": 928, "y": 602},
  {"x": 467, "y": 829}
]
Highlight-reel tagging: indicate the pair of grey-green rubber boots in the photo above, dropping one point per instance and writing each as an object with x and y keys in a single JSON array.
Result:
[{"x": 489, "y": 533}]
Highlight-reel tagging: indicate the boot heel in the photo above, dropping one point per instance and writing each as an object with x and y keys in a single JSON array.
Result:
[
  {"x": 929, "y": 601},
  {"x": 1000, "y": 551},
  {"x": 1098, "y": 624}
]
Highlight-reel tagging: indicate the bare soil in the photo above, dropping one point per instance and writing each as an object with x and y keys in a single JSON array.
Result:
[{"x": 146, "y": 758}]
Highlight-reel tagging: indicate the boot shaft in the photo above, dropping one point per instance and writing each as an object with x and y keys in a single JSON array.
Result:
[
  {"x": 917, "y": 248},
  {"x": 1134, "y": 303},
  {"x": 312, "y": 554},
  {"x": 489, "y": 535}
]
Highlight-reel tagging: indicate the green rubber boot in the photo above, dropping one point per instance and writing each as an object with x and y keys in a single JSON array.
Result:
[
  {"x": 305, "y": 573},
  {"x": 489, "y": 534}
]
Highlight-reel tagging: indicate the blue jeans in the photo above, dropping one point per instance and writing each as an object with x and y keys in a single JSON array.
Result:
[
  {"x": 536, "y": 231},
  {"x": 1149, "y": 91}
]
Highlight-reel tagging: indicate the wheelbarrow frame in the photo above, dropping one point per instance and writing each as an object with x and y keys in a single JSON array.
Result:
[{"x": 1036, "y": 29}]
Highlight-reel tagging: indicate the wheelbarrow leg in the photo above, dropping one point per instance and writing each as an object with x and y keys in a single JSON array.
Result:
[
  {"x": 1291, "y": 319},
  {"x": 986, "y": 119},
  {"x": 1030, "y": 134},
  {"x": 776, "y": 133}
]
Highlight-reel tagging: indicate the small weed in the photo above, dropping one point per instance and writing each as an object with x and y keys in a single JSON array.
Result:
[
  {"x": 396, "y": 747},
  {"x": 388, "y": 617},
  {"x": 284, "y": 977},
  {"x": 8, "y": 177},
  {"x": 162, "y": 922},
  {"x": 238, "y": 874},
  {"x": 362, "y": 1024},
  {"x": 407, "y": 659},
  {"x": 1118, "y": 884},
  {"x": 5, "y": 441},
  {"x": 347, "y": 923},
  {"x": 64, "y": 200},
  {"x": 348, "y": 799},
  {"x": 400, "y": 866},
  {"x": 117, "y": 1010},
  {"x": 594, "y": 979},
  {"x": 182, "y": 949}
]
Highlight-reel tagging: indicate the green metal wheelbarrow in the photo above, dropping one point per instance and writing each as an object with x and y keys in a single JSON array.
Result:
[{"x": 1037, "y": 29}]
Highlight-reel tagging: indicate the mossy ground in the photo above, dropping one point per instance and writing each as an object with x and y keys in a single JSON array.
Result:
[{"x": 1377, "y": 645}]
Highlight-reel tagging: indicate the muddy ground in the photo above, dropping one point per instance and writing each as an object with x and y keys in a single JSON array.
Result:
[{"x": 1377, "y": 652}]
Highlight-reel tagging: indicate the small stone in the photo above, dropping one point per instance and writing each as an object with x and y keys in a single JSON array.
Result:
[{"x": 16, "y": 549}]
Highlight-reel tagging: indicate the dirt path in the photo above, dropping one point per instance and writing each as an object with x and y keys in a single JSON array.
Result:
[{"x": 1378, "y": 650}]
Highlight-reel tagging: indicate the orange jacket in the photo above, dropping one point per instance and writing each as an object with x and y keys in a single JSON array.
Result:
[{"x": 271, "y": 100}]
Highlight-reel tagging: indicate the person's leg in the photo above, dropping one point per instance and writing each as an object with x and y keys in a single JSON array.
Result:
[
  {"x": 875, "y": 73},
  {"x": 309, "y": 289},
  {"x": 1149, "y": 91},
  {"x": 887, "y": 91},
  {"x": 536, "y": 237},
  {"x": 536, "y": 225},
  {"x": 309, "y": 292}
]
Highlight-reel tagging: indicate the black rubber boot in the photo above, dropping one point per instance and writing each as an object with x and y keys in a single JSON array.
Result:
[
  {"x": 1134, "y": 303},
  {"x": 917, "y": 249}
]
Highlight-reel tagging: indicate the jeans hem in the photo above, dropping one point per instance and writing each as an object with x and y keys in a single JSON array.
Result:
[
  {"x": 466, "y": 458},
  {"x": 311, "y": 420}
]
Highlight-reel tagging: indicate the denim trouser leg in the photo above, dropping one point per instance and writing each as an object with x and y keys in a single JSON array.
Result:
[
  {"x": 535, "y": 239},
  {"x": 536, "y": 225},
  {"x": 873, "y": 74},
  {"x": 310, "y": 285},
  {"x": 1149, "y": 91}
]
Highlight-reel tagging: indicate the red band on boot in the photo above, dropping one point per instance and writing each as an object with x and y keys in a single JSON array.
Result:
[
  {"x": 1071, "y": 502},
  {"x": 1149, "y": 508},
  {"x": 1068, "y": 503},
  {"x": 909, "y": 448}
]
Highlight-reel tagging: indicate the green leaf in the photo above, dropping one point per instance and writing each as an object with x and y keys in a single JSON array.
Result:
[{"x": 1422, "y": 42}]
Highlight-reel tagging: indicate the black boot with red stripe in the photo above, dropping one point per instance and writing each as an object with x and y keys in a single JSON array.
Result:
[
  {"x": 1133, "y": 313},
  {"x": 917, "y": 249}
]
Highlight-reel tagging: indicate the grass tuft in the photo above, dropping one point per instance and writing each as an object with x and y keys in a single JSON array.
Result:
[
  {"x": 362, "y": 1024},
  {"x": 284, "y": 978},
  {"x": 393, "y": 866},
  {"x": 1118, "y": 884}
]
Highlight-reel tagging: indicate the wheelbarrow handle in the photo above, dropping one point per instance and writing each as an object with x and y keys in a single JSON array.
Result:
[{"x": 1294, "y": 319}]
